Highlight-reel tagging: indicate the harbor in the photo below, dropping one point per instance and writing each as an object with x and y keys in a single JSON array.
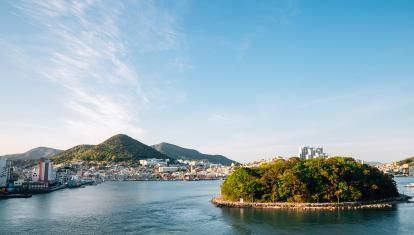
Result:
[
  {"x": 29, "y": 193},
  {"x": 44, "y": 176},
  {"x": 156, "y": 207}
]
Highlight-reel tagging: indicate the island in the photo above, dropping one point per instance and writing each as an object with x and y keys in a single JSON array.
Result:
[{"x": 318, "y": 183}]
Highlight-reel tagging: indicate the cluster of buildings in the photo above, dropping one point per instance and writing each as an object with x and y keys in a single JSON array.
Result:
[
  {"x": 158, "y": 169},
  {"x": 309, "y": 152},
  {"x": 41, "y": 178},
  {"x": 305, "y": 152},
  {"x": 45, "y": 176},
  {"x": 260, "y": 162},
  {"x": 396, "y": 169}
]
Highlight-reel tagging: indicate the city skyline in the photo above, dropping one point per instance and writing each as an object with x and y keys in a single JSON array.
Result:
[{"x": 247, "y": 81}]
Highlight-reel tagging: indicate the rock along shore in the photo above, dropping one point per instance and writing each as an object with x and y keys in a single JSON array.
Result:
[{"x": 384, "y": 203}]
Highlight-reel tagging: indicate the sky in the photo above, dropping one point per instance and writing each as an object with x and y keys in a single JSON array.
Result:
[{"x": 249, "y": 80}]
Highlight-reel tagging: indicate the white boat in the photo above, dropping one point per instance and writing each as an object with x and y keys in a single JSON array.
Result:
[{"x": 411, "y": 185}]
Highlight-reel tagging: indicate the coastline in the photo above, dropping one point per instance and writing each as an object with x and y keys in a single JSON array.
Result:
[
  {"x": 115, "y": 180},
  {"x": 48, "y": 190},
  {"x": 14, "y": 195},
  {"x": 377, "y": 204}
]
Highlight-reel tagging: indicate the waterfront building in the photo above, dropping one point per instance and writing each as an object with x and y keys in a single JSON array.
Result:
[
  {"x": 405, "y": 169},
  {"x": 309, "y": 152},
  {"x": 164, "y": 169},
  {"x": 64, "y": 174},
  {"x": 34, "y": 176},
  {"x": 4, "y": 173},
  {"x": 45, "y": 171},
  {"x": 411, "y": 171},
  {"x": 38, "y": 186}
]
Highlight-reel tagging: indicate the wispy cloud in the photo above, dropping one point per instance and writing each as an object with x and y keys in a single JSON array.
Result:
[
  {"x": 284, "y": 12},
  {"x": 181, "y": 64},
  {"x": 86, "y": 46}
]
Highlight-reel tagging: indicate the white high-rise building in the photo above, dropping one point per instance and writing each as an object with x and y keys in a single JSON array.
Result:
[
  {"x": 308, "y": 152},
  {"x": 4, "y": 172}
]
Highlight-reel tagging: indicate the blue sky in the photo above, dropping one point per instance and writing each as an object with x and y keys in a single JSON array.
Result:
[{"x": 249, "y": 80}]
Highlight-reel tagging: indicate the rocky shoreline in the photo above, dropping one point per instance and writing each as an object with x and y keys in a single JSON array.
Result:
[{"x": 384, "y": 203}]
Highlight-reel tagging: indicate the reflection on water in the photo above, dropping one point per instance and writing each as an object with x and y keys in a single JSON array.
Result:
[
  {"x": 397, "y": 220},
  {"x": 291, "y": 221},
  {"x": 183, "y": 208}
]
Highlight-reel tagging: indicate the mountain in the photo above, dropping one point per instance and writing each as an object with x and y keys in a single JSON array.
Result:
[
  {"x": 409, "y": 161},
  {"x": 34, "y": 154},
  {"x": 118, "y": 148},
  {"x": 178, "y": 152}
]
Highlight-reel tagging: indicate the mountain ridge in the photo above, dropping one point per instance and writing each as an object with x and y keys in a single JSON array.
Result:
[
  {"x": 177, "y": 152},
  {"x": 408, "y": 160},
  {"x": 33, "y": 154},
  {"x": 117, "y": 148}
]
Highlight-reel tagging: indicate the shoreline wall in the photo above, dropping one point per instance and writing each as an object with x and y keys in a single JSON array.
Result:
[{"x": 384, "y": 203}]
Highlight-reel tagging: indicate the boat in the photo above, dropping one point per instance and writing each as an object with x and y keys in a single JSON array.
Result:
[{"x": 410, "y": 185}]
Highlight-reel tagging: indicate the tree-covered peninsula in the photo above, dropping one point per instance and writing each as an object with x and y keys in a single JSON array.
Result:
[{"x": 335, "y": 179}]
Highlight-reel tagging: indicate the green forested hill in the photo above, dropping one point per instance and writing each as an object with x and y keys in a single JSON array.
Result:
[
  {"x": 178, "y": 152},
  {"x": 117, "y": 148},
  {"x": 409, "y": 161}
]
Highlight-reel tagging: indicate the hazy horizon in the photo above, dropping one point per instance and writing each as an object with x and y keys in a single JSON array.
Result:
[{"x": 250, "y": 80}]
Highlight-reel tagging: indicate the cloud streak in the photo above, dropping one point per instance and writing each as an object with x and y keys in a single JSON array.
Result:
[{"x": 88, "y": 52}]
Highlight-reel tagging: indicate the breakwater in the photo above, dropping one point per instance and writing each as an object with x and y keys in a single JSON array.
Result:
[{"x": 384, "y": 203}]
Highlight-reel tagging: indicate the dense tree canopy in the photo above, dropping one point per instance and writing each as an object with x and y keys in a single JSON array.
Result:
[
  {"x": 118, "y": 148},
  {"x": 409, "y": 161},
  {"x": 335, "y": 179}
]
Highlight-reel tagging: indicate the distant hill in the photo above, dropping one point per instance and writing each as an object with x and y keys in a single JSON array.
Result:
[
  {"x": 409, "y": 161},
  {"x": 34, "y": 154},
  {"x": 117, "y": 148},
  {"x": 178, "y": 152}
]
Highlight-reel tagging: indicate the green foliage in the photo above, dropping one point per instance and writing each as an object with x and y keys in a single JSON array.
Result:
[
  {"x": 119, "y": 148},
  {"x": 336, "y": 179},
  {"x": 409, "y": 161},
  {"x": 243, "y": 183},
  {"x": 178, "y": 152}
]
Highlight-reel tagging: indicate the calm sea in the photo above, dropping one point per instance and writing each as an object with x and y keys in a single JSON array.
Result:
[{"x": 183, "y": 208}]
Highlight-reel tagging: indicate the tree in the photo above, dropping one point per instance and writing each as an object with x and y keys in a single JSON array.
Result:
[{"x": 315, "y": 180}]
